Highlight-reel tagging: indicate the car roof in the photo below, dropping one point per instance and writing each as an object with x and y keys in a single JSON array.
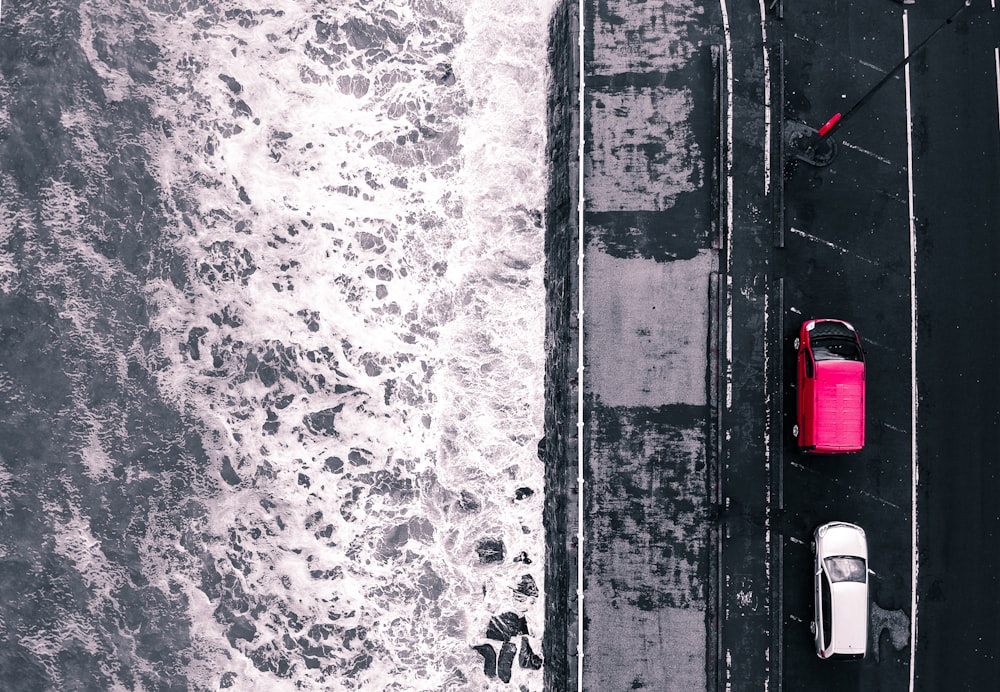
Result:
[{"x": 850, "y": 617}]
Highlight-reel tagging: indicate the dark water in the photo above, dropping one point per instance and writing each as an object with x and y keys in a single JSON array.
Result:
[
  {"x": 270, "y": 363},
  {"x": 82, "y": 233}
]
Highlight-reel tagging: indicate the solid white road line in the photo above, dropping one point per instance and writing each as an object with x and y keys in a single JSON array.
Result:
[
  {"x": 767, "y": 100},
  {"x": 729, "y": 277},
  {"x": 996, "y": 59},
  {"x": 729, "y": 205},
  {"x": 580, "y": 199},
  {"x": 914, "y": 471}
]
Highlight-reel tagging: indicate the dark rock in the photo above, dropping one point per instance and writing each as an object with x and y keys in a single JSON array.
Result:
[
  {"x": 360, "y": 633},
  {"x": 322, "y": 421},
  {"x": 361, "y": 663},
  {"x": 195, "y": 337},
  {"x": 229, "y": 474},
  {"x": 527, "y": 658},
  {"x": 490, "y": 550},
  {"x": 242, "y": 108},
  {"x": 541, "y": 448},
  {"x": 268, "y": 374},
  {"x": 303, "y": 480},
  {"x": 489, "y": 659},
  {"x": 506, "y": 626},
  {"x": 356, "y": 457},
  {"x": 522, "y": 493},
  {"x": 506, "y": 661},
  {"x": 334, "y": 464},
  {"x": 233, "y": 85},
  {"x": 523, "y": 557},
  {"x": 527, "y": 586}
]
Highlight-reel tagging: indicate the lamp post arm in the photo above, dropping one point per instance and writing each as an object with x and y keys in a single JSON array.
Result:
[{"x": 833, "y": 122}]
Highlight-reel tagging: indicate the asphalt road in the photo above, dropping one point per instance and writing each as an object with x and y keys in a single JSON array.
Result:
[
  {"x": 899, "y": 235},
  {"x": 896, "y": 233},
  {"x": 846, "y": 254},
  {"x": 957, "y": 206}
]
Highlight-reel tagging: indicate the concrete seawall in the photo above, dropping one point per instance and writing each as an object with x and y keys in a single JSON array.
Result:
[
  {"x": 651, "y": 235},
  {"x": 562, "y": 344}
]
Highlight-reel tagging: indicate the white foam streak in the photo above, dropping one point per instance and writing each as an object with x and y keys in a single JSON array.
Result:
[{"x": 361, "y": 329}]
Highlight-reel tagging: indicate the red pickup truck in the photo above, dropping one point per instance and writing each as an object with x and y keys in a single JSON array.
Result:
[{"x": 830, "y": 388}]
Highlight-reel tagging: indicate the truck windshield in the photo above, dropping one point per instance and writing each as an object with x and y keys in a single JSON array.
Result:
[{"x": 836, "y": 348}]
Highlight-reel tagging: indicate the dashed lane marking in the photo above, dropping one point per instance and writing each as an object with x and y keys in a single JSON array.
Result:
[
  {"x": 832, "y": 246},
  {"x": 866, "y": 152}
]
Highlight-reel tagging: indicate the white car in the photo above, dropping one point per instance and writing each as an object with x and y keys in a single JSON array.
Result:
[{"x": 840, "y": 618}]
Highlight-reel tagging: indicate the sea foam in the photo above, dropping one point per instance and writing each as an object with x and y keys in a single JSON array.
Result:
[{"x": 356, "y": 191}]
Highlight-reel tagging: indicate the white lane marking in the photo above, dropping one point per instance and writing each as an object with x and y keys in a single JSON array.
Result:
[
  {"x": 580, "y": 199},
  {"x": 729, "y": 205},
  {"x": 729, "y": 278},
  {"x": 873, "y": 342},
  {"x": 914, "y": 471},
  {"x": 874, "y": 67},
  {"x": 834, "y": 246},
  {"x": 819, "y": 44},
  {"x": 767, "y": 455},
  {"x": 996, "y": 59},
  {"x": 767, "y": 398},
  {"x": 865, "y": 151},
  {"x": 767, "y": 100}
]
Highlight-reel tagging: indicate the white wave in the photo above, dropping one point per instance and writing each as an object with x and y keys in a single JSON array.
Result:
[{"x": 358, "y": 191}]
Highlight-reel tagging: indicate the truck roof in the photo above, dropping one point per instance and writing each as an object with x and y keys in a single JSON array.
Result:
[{"x": 839, "y": 405}]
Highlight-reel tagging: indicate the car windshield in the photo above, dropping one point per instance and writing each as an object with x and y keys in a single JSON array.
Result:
[
  {"x": 835, "y": 348},
  {"x": 845, "y": 568}
]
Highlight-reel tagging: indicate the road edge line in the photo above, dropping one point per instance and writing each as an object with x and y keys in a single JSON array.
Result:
[{"x": 914, "y": 401}]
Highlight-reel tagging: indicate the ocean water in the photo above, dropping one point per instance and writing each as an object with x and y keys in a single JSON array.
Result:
[{"x": 271, "y": 344}]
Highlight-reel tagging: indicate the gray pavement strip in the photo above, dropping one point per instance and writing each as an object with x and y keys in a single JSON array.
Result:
[{"x": 646, "y": 326}]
